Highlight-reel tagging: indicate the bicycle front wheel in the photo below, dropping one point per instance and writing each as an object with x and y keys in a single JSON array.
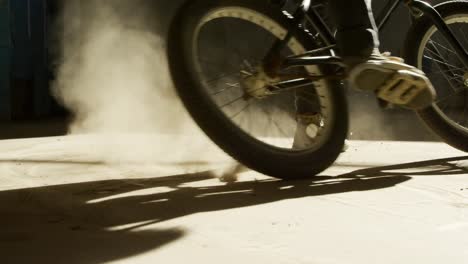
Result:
[
  {"x": 213, "y": 47},
  {"x": 427, "y": 49}
]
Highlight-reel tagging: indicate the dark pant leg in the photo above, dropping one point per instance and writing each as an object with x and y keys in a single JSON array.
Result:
[
  {"x": 357, "y": 34},
  {"x": 357, "y": 37}
]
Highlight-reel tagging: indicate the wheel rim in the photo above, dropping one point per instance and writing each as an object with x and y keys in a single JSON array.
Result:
[
  {"x": 447, "y": 73},
  {"x": 270, "y": 121}
]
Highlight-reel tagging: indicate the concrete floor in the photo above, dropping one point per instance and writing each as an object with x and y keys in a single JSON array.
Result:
[{"x": 113, "y": 199}]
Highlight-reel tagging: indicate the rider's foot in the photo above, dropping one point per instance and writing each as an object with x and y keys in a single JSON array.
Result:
[
  {"x": 393, "y": 81},
  {"x": 308, "y": 126}
]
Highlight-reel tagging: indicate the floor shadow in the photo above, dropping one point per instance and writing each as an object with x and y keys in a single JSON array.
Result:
[
  {"x": 77, "y": 223},
  {"x": 447, "y": 166}
]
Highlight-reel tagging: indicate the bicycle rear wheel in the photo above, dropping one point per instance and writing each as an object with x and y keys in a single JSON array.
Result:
[
  {"x": 213, "y": 47},
  {"x": 428, "y": 50}
]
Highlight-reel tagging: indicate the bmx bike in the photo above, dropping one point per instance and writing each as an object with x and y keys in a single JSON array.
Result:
[{"x": 247, "y": 69}]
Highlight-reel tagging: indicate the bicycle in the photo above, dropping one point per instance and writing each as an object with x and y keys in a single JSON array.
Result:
[{"x": 246, "y": 70}]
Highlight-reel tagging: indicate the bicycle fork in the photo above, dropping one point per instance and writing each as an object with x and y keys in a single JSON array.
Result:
[
  {"x": 421, "y": 7},
  {"x": 273, "y": 61}
]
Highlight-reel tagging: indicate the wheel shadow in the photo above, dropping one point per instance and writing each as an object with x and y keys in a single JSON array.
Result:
[
  {"x": 102, "y": 221},
  {"x": 448, "y": 166}
]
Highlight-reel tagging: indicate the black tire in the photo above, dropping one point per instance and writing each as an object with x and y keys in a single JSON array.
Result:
[
  {"x": 454, "y": 134},
  {"x": 264, "y": 158}
]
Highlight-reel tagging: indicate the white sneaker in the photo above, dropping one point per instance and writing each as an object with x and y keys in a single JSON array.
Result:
[{"x": 393, "y": 81}]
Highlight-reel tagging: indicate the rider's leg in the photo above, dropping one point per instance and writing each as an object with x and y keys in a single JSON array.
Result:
[
  {"x": 391, "y": 79},
  {"x": 357, "y": 34}
]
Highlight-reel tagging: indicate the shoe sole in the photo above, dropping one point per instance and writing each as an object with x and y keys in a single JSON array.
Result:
[{"x": 394, "y": 82}]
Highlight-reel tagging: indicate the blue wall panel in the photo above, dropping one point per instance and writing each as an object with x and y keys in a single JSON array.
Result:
[
  {"x": 21, "y": 28},
  {"x": 5, "y": 60},
  {"x": 42, "y": 98},
  {"x": 4, "y": 24},
  {"x": 5, "y": 95},
  {"x": 23, "y": 55}
]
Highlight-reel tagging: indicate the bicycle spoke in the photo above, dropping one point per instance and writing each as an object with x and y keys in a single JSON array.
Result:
[
  {"x": 464, "y": 34},
  {"x": 248, "y": 65},
  {"x": 213, "y": 63},
  {"x": 436, "y": 54},
  {"x": 445, "y": 71},
  {"x": 230, "y": 86},
  {"x": 444, "y": 63},
  {"x": 233, "y": 48},
  {"x": 454, "y": 77},
  {"x": 242, "y": 110},
  {"x": 447, "y": 78},
  {"x": 232, "y": 102},
  {"x": 450, "y": 96},
  {"x": 457, "y": 78},
  {"x": 280, "y": 129},
  {"x": 442, "y": 46},
  {"x": 246, "y": 73},
  {"x": 222, "y": 76}
]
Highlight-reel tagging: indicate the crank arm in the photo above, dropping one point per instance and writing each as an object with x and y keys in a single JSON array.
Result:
[
  {"x": 288, "y": 78},
  {"x": 292, "y": 82}
]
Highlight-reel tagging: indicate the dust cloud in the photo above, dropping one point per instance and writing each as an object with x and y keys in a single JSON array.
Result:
[{"x": 114, "y": 78}]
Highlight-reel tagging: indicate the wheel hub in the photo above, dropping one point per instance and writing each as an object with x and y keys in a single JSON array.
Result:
[
  {"x": 258, "y": 85},
  {"x": 465, "y": 79}
]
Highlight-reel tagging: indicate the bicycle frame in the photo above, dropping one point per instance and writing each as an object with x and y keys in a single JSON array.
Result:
[{"x": 305, "y": 13}]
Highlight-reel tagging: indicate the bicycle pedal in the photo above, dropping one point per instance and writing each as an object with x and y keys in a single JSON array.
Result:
[{"x": 403, "y": 87}]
